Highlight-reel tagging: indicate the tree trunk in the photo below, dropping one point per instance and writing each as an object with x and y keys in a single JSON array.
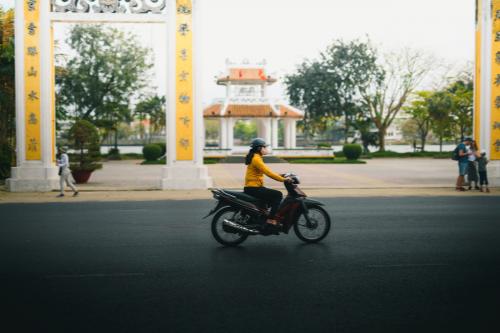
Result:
[
  {"x": 440, "y": 143},
  {"x": 116, "y": 139},
  {"x": 381, "y": 139},
  {"x": 346, "y": 128},
  {"x": 422, "y": 141}
]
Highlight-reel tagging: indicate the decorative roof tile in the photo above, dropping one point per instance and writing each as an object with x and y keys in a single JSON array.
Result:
[
  {"x": 213, "y": 110},
  {"x": 245, "y": 110},
  {"x": 251, "y": 110},
  {"x": 289, "y": 112},
  {"x": 250, "y": 75}
]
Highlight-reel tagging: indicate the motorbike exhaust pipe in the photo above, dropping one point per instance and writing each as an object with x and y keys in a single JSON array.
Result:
[{"x": 239, "y": 227}]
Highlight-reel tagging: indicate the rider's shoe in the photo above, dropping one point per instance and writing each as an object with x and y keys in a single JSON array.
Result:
[{"x": 273, "y": 222}]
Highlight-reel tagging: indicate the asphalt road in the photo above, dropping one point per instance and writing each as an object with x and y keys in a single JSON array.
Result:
[{"x": 389, "y": 265}]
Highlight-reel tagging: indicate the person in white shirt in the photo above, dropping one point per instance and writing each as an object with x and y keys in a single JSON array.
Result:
[{"x": 64, "y": 172}]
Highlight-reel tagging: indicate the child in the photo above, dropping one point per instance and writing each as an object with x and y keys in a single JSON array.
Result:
[{"x": 483, "y": 175}]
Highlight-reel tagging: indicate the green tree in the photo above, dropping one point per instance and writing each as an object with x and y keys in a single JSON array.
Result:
[
  {"x": 211, "y": 131},
  {"x": 440, "y": 104},
  {"x": 409, "y": 130},
  {"x": 388, "y": 93},
  {"x": 462, "y": 94},
  {"x": 7, "y": 92},
  {"x": 420, "y": 116},
  {"x": 152, "y": 108},
  {"x": 107, "y": 72},
  {"x": 84, "y": 138},
  {"x": 368, "y": 133},
  {"x": 245, "y": 130},
  {"x": 115, "y": 115},
  {"x": 329, "y": 88}
]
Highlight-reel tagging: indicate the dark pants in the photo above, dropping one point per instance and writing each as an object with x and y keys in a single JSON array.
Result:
[
  {"x": 472, "y": 172},
  {"x": 483, "y": 178},
  {"x": 269, "y": 196}
]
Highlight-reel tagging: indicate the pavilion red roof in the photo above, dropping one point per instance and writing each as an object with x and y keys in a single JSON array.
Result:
[
  {"x": 246, "y": 75},
  {"x": 251, "y": 110}
]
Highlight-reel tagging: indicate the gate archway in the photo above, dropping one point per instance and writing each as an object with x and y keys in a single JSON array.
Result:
[{"x": 35, "y": 107}]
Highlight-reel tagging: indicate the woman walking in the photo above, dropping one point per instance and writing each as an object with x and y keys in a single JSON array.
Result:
[{"x": 64, "y": 172}]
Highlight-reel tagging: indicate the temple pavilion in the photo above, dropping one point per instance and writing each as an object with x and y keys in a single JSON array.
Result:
[{"x": 246, "y": 98}]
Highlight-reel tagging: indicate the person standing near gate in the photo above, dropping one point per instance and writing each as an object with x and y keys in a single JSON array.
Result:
[
  {"x": 483, "y": 175},
  {"x": 463, "y": 162},
  {"x": 472, "y": 155},
  {"x": 64, "y": 172}
]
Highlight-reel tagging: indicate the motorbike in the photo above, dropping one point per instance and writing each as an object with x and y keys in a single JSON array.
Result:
[{"x": 238, "y": 215}]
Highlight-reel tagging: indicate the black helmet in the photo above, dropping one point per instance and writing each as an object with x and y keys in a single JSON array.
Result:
[{"x": 258, "y": 142}]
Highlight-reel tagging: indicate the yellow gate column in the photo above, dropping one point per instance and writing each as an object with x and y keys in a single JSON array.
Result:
[
  {"x": 494, "y": 121},
  {"x": 35, "y": 170},
  {"x": 185, "y": 129}
]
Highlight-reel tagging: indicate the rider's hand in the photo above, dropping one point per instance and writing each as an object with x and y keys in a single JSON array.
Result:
[{"x": 288, "y": 180}]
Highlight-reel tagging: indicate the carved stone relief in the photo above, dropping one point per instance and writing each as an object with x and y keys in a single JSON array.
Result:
[{"x": 109, "y": 6}]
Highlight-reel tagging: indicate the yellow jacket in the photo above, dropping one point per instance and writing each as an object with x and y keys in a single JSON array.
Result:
[{"x": 256, "y": 170}]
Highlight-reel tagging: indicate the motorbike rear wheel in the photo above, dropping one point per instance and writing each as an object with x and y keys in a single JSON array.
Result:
[
  {"x": 219, "y": 232},
  {"x": 316, "y": 230}
]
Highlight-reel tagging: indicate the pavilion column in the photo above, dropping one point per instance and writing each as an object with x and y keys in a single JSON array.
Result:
[
  {"x": 260, "y": 127},
  {"x": 274, "y": 132},
  {"x": 223, "y": 133},
  {"x": 288, "y": 134},
  {"x": 230, "y": 133},
  {"x": 267, "y": 127},
  {"x": 293, "y": 134}
]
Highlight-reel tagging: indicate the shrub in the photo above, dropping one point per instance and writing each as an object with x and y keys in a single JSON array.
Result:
[
  {"x": 84, "y": 139},
  {"x": 114, "y": 154},
  {"x": 352, "y": 151},
  {"x": 163, "y": 147},
  {"x": 324, "y": 145},
  {"x": 151, "y": 152},
  {"x": 6, "y": 156}
]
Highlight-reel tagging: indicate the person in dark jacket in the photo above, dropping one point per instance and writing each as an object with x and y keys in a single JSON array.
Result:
[{"x": 482, "y": 161}]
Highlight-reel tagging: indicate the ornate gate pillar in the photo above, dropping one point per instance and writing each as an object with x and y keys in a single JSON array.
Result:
[
  {"x": 487, "y": 82},
  {"x": 185, "y": 131},
  {"x": 35, "y": 119},
  {"x": 35, "y": 169}
]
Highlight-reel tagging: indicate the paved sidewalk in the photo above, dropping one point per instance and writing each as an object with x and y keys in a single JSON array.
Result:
[
  {"x": 128, "y": 180},
  {"x": 377, "y": 173},
  {"x": 142, "y": 195}
]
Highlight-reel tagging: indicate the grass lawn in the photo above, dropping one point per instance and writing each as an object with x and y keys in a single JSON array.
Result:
[
  {"x": 433, "y": 154},
  {"x": 127, "y": 156},
  {"x": 339, "y": 158},
  {"x": 393, "y": 154},
  {"x": 206, "y": 160},
  {"x": 323, "y": 160}
]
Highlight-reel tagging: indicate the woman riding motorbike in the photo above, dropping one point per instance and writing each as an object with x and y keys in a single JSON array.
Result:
[{"x": 254, "y": 179}]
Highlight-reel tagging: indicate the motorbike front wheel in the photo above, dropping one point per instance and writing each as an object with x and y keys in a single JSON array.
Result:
[
  {"x": 316, "y": 229},
  {"x": 222, "y": 234}
]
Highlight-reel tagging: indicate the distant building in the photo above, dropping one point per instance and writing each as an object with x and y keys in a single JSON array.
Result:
[
  {"x": 394, "y": 132},
  {"x": 246, "y": 98}
]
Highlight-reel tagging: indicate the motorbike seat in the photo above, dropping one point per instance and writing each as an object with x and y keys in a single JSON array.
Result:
[{"x": 245, "y": 197}]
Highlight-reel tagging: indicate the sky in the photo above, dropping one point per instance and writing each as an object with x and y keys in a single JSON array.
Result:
[{"x": 285, "y": 32}]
